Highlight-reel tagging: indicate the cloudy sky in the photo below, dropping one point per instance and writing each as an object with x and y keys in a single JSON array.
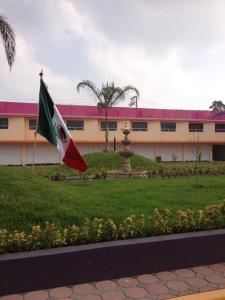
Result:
[{"x": 173, "y": 51}]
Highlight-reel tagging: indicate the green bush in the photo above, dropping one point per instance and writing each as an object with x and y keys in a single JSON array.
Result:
[{"x": 97, "y": 230}]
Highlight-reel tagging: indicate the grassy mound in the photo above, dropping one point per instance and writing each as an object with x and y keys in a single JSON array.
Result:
[
  {"x": 113, "y": 161},
  {"x": 27, "y": 198},
  {"x": 97, "y": 162}
]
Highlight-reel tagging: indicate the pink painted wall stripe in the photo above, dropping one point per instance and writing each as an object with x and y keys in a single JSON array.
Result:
[{"x": 79, "y": 111}]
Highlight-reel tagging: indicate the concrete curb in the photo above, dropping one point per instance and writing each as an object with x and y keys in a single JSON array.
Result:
[{"x": 27, "y": 271}]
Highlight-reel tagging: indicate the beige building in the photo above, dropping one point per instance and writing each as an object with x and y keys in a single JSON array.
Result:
[{"x": 181, "y": 135}]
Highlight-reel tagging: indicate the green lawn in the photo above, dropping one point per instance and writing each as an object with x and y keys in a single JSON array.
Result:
[{"x": 27, "y": 198}]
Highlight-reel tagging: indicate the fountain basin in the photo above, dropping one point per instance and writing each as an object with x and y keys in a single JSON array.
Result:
[{"x": 126, "y": 153}]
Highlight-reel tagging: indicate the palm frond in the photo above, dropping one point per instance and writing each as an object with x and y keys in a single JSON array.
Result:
[
  {"x": 90, "y": 85},
  {"x": 9, "y": 42},
  {"x": 123, "y": 92}
]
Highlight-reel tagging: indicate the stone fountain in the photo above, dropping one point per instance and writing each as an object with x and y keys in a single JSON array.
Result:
[{"x": 126, "y": 153}]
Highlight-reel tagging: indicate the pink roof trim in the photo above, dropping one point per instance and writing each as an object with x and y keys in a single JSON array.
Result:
[{"x": 77, "y": 111}]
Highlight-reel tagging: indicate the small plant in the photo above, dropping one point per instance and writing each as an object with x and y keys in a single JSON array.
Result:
[
  {"x": 161, "y": 221},
  {"x": 174, "y": 157},
  {"x": 185, "y": 220},
  {"x": 213, "y": 216},
  {"x": 198, "y": 155}
]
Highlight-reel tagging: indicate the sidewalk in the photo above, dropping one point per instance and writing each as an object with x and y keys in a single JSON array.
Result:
[{"x": 158, "y": 286}]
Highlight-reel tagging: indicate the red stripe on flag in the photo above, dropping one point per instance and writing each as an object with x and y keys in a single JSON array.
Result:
[{"x": 73, "y": 158}]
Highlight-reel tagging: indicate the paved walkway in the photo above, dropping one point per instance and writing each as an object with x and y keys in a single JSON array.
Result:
[{"x": 158, "y": 286}]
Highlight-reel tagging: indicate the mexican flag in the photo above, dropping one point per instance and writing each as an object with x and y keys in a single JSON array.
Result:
[{"x": 52, "y": 127}]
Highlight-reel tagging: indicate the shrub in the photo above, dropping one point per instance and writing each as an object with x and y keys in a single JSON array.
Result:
[
  {"x": 96, "y": 230},
  {"x": 185, "y": 220},
  {"x": 161, "y": 221}
]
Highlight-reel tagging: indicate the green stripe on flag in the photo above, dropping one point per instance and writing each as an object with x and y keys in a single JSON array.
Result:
[{"x": 46, "y": 112}]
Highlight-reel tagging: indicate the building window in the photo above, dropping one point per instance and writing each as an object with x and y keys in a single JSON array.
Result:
[
  {"x": 4, "y": 123},
  {"x": 75, "y": 124},
  {"x": 219, "y": 127},
  {"x": 32, "y": 124},
  {"x": 112, "y": 125},
  {"x": 195, "y": 127},
  {"x": 139, "y": 126},
  {"x": 168, "y": 126}
]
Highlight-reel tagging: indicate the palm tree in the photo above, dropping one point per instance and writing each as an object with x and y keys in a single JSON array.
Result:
[
  {"x": 8, "y": 37},
  {"x": 218, "y": 106},
  {"x": 108, "y": 96}
]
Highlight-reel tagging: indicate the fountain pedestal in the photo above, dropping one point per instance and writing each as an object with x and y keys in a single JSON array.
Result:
[{"x": 126, "y": 153}]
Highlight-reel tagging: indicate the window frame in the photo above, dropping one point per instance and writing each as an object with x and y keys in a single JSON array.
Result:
[
  {"x": 77, "y": 128},
  {"x": 168, "y": 129},
  {"x": 195, "y": 129},
  {"x": 4, "y": 126},
  {"x": 140, "y": 128},
  {"x": 31, "y": 127},
  {"x": 109, "y": 128},
  {"x": 220, "y": 130}
]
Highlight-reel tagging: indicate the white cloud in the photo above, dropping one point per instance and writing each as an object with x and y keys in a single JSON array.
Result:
[
  {"x": 173, "y": 54},
  {"x": 22, "y": 83},
  {"x": 162, "y": 80}
]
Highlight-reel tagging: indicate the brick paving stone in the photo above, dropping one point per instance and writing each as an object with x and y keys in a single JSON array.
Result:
[
  {"x": 200, "y": 276},
  {"x": 202, "y": 270},
  {"x": 99, "y": 292},
  {"x": 214, "y": 285},
  {"x": 188, "y": 292},
  {"x": 127, "y": 282},
  {"x": 36, "y": 295},
  {"x": 181, "y": 279},
  {"x": 142, "y": 284},
  {"x": 113, "y": 295},
  {"x": 90, "y": 297},
  {"x": 146, "y": 278},
  {"x": 61, "y": 292},
  {"x": 106, "y": 285},
  {"x": 206, "y": 289},
  {"x": 162, "y": 281},
  {"x": 173, "y": 292},
  {"x": 194, "y": 289},
  {"x": 186, "y": 273},
  {"x": 166, "y": 275},
  {"x": 84, "y": 288},
  {"x": 218, "y": 268},
  {"x": 135, "y": 292},
  {"x": 214, "y": 278},
  {"x": 166, "y": 296},
  {"x": 120, "y": 288},
  {"x": 152, "y": 297},
  {"x": 177, "y": 285},
  {"x": 221, "y": 286},
  {"x": 12, "y": 297},
  {"x": 196, "y": 282},
  {"x": 156, "y": 288},
  {"x": 73, "y": 296}
]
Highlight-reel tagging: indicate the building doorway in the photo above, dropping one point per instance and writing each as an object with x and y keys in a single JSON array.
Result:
[{"x": 219, "y": 152}]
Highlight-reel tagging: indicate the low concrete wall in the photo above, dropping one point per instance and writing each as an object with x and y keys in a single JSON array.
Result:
[{"x": 26, "y": 271}]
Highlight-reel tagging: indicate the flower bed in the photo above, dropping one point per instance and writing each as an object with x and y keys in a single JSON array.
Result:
[
  {"x": 160, "y": 172},
  {"x": 99, "y": 230}
]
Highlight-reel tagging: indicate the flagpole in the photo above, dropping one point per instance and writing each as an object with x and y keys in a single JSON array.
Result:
[
  {"x": 34, "y": 150},
  {"x": 35, "y": 133}
]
